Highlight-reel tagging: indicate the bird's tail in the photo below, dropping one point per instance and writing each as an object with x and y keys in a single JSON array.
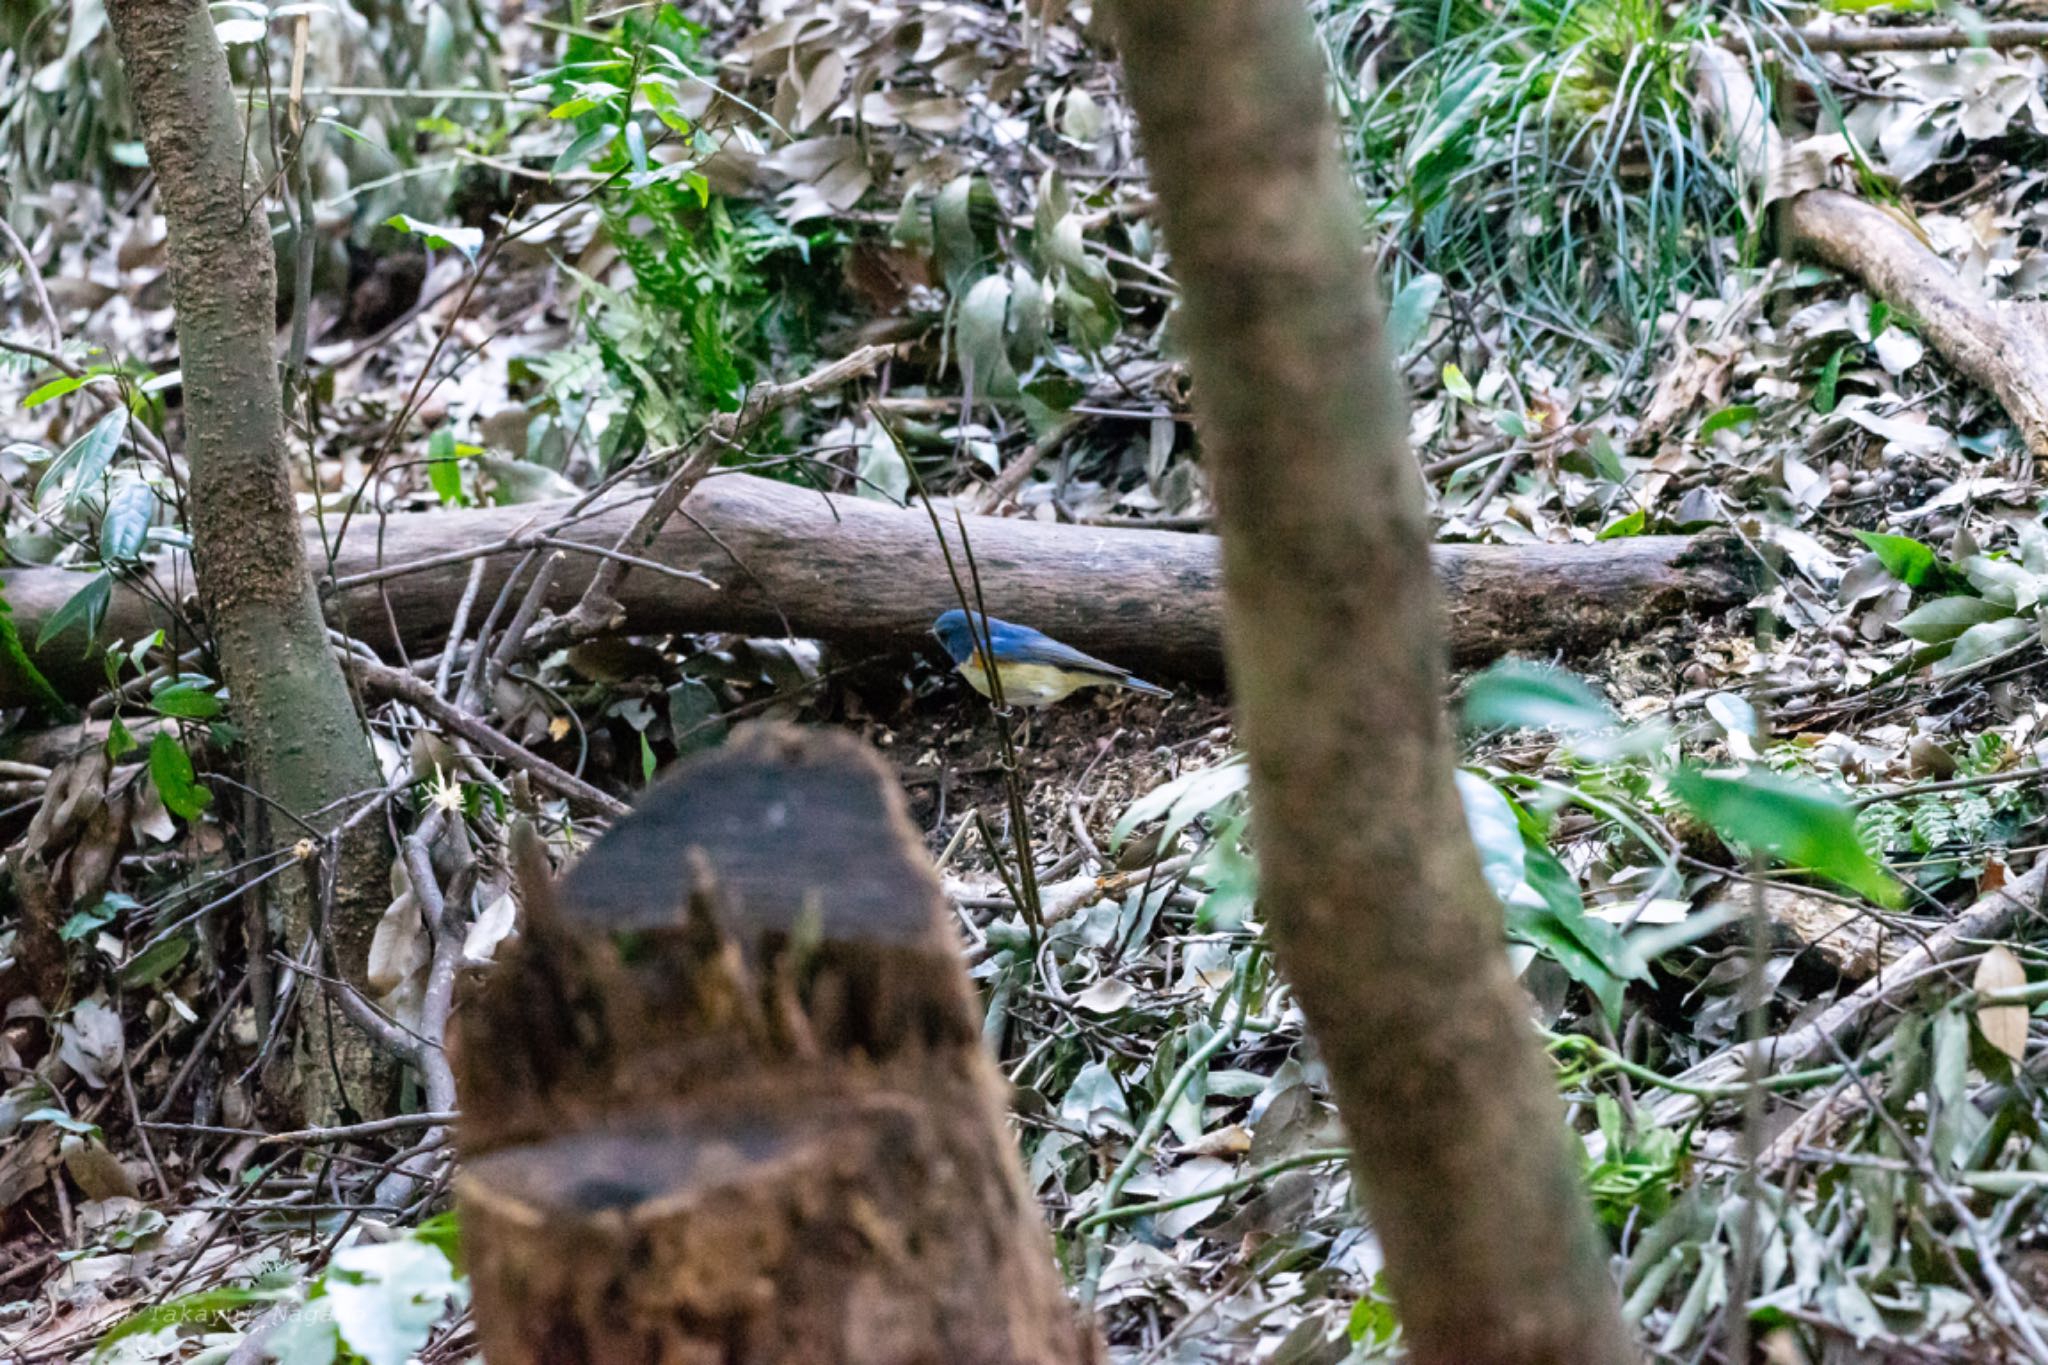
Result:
[{"x": 1149, "y": 689}]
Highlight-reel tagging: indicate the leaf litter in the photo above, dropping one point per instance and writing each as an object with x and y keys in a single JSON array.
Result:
[{"x": 972, "y": 175}]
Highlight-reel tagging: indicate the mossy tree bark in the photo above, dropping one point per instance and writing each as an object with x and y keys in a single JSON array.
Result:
[
  {"x": 1334, "y": 642},
  {"x": 306, "y": 749},
  {"x": 726, "y": 1099}
]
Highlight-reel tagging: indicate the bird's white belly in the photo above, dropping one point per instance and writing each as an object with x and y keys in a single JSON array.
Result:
[{"x": 1027, "y": 684}]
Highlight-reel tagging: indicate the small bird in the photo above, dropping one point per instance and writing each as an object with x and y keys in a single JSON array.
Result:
[{"x": 1035, "y": 669}]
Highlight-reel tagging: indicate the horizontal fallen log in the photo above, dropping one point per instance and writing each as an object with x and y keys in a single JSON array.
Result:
[
  {"x": 1865, "y": 38},
  {"x": 861, "y": 572}
]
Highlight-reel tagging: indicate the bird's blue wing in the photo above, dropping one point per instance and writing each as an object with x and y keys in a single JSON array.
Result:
[{"x": 1022, "y": 644}]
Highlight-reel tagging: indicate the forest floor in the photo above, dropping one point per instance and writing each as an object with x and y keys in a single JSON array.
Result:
[{"x": 542, "y": 249}]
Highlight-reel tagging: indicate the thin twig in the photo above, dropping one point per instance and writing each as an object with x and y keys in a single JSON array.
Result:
[
  {"x": 595, "y": 610},
  {"x": 33, "y": 273},
  {"x": 459, "y": 630},
  {"x": 399, "y": 685}
]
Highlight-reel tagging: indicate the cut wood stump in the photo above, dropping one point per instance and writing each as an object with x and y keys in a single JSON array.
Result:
[{"x": 726, "y": 1100}]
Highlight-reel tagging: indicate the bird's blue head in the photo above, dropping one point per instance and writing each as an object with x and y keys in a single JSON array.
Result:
[{"x": 956, "y": 635}]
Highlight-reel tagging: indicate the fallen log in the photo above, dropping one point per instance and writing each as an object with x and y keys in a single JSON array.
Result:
[
  {"x": 1999, "y": 344},
  {"x": 863, "y": 573},
  {"x": 1864, "y": 38}
]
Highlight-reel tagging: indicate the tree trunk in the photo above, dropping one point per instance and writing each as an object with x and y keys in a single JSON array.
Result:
[
  {"x": 306, "y": 746},
  {"x": 1334, "y": 638},
  {"x": 870, "y": 575},
  {"x": 725, "y": 1101}
]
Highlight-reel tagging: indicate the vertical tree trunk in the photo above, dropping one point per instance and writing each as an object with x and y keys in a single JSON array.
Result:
[
  {"x": 305, "y": 743},
  {"x": 726, "y": 1102},
  {"x": 1334, "y": 640}
]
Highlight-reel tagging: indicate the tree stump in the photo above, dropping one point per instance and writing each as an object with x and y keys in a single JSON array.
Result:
[{"x": 726, "y": 1100}]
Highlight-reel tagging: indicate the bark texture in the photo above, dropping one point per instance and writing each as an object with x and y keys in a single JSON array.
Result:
[
  {"x": 306, "y": 746},
  {"x": 1334, "y": 630},
  {"x": 871, "y": 575},
  {"x": 726, "y": 1102}
]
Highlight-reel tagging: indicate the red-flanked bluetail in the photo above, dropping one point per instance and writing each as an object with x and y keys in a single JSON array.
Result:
[{"x": 1035, "y": 669}]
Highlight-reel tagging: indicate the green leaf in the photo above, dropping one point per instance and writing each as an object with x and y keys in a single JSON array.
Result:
[
  {"x": 647, "y": 764},
  {"x": 1796, "y": 822},
  {"x": 585, "y": 147},
  {"x": 1184, "y": 798},
  {"x": 83, "y": 462},
  {"x": 1539, "y": 900},
  {"x": 1982, "y": 642},
  {"x": 1830, "y": 380},
  {"x": 2005, "y": 581},
  {"x": 955, "y": 247},
  {"x": 694, "y": 719},
  {"x": 883, "y": 473},
  {"x": 1455, "y": 383},
  {"x": 1056, "y": 392},
  {"x": 83, "y": 922},
  {"x": 206, "y": 1306},
  {"x": 1903, "y": 557},
  {"x": 63, "y": 1121},
  {"x": 1457, "y": 104},
  {"x": 1634, "y": 524},
  {"x": 1734, "y": 415},
  {"x": 56, "y": 388},
  {"x": 15, "y": 663},
  {"x": 131, "y": 507},
  {"x": 86, "y": 608},
  {"x": 187, "y": 701},
  {"x": 1607, "y": 462},
  {"x": 442, "y": 1232},
  {"x": 978, "y": 335},
  {"x": 170, "y": 767},
  {"x": 442, "y": 470},
  {"x": 1947, "y": 617},
  {"x": 1496, "y": 834},
  {"x": 1513, "y": 695},
  {"x": 155, "y": 962},
  {"x": 1544, "y": 931},
  {"x": 1408, "y": 315},
  {"x": 119, "y": 740},
  {"x": 467, "y": 240}
]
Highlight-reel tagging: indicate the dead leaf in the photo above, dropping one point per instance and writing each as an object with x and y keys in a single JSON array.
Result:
[
  {"x": 96, "y": 1171},
  {"x": 493, "y": 925},
  {"x": 399, "y": 946},
  {"x": 819, "y": 90},
  {"x": 1106, "y": 996},
  {"x": 90, "y": 1041},
  {"x": 2003, "y": 1026},
  {"x": 1230, "y": 1140}
]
